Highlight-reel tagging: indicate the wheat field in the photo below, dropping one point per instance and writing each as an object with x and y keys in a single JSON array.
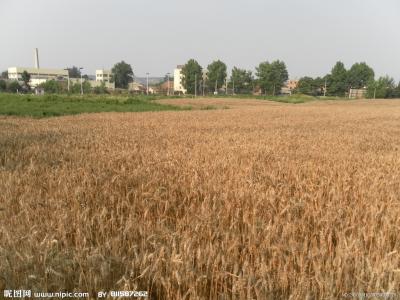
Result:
[{"x": 260, "y": 201}]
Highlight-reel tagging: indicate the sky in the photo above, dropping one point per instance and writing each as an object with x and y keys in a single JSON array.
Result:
[{"x": 156, "y": 35}]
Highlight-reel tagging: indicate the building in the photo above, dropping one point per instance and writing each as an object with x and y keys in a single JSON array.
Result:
[
  {"x": 292, "y": 84},
  {"x": 357, "y": 93},
  {"x": 38, "y": 75},
  {"x": 286, "y": 91},
  {"x": 136, "y": 87},
  {"x": 103, "y": 75},
  {"x": 289, "y": 87},
  {"x": 166, "y": 87},
  {"x": 178, "y": 87}
]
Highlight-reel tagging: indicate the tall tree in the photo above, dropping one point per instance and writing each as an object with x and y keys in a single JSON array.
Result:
[
  {"x": 384, "y": 87},
  {"x": 216, "y": 75},
  {"x": 310, "y": 86},
  {"x": 272, "y": 76},
  {"x": 338, "y": 80},
  {"x": 26, "y": 77},
  {"x": 398, "y": 90},
  {"x": 241, "y": 80},
  {"x": 307, "y": 86},
  {"x": 190, "y": 71},
  {"x": 74, "y": 72},
  {"x": 359, "y": 75},
  {"x": 122, "y": 74},
  {"x": 4, "y": 74}
]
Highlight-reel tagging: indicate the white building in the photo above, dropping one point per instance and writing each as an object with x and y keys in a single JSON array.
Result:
[
  {"x": 103, "y": 75},
  {"x": 178, "y": 87},
  {"x": 38, "y": 75}
]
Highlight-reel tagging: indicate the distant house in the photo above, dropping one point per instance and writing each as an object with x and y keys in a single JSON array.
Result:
[
  {"x": 136, "y": 87},
  {"x": 38, "y": 75},
  {"x": 103, "y": 75},
  {"x": 178, "y": 87},
  {"x": 292, "y": 84},
  {"x": 357, "y": 93},
  {"x": 167, "y": 86},
  {"x": 286, "y": 91},
  {"x": 289, "y": 87}
]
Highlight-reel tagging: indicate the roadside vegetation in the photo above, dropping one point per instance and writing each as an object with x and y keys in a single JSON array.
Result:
[
  {"x": 58, "y": 105},
  {"x": 294, "y": 99}
]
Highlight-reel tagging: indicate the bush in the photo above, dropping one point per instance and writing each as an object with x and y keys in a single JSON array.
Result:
[
  {"x": 3, "y": 86},
  {"x": 14, "y": 87},
  {"x": 100, "y": 89},
  {"x": 76, "y": 88},
  {"x": 52, "y": 87}
]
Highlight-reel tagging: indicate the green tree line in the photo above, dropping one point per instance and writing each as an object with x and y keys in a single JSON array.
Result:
[{"x": 268, "y": 79}]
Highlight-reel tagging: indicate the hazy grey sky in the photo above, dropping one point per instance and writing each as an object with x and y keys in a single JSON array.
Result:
[{"x": 154, "y": 36}]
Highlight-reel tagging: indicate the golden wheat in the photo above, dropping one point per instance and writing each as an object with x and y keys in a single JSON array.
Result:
[{"x": 254, "y": 202}]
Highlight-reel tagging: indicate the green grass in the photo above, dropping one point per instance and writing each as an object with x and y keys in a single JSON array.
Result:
[
  {"x": 59, "y": 105},
  {"x": 294, "y": 99}
]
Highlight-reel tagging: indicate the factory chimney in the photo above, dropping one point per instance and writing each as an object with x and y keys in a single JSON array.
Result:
[{"x": 36, "y": 58}]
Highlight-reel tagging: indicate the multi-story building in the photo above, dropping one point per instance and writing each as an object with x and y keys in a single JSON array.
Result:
[
  {"x": 37, "y": 75},
  {"x": 178, "y": 87},
  {"x": 292, "y": 84},
  {"x": 103, "y": 75}
]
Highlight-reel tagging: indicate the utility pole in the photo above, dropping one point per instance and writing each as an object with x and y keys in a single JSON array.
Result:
[
  {"x": 147, "y": 83},
  {"x": 203, "y": 85},
  {"x": 80, "y": 69},
  {"x": 325, "y": 88},
  {"x": 375, "y": 93},
  {"x": 168, "y": 83},
  {"x": 67, "y": 69},
  {"x": 226, "y": 86},
  {"x": 216, "y": 86},
  {"x": 195, "y": 85},
  {"x": 233, "y": 86}
]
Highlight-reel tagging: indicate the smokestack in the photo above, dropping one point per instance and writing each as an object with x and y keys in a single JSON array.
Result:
[{"x": 36, "y": 58}]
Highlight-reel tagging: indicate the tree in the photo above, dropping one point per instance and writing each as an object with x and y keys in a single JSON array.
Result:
[
  {"x": 384, "y": 87},
  {"x": 398, "y": 90},
  {"x": 319, "y": 84},
  {"x": 74, "y": 72},
  {"x": 310, "y": 86},
  {"x": 166, "y": 78},
  {"x": 305, "y": 86},
  {"x": 51, "y": 87},
  {"x": 337, "y": 80},
  {"x": 272, "y": 76},
  {"x": 190, "y": 71},
  {"x": 13, "y": 86},
  {"x": 26, "y": 77},
  {"x": 100, "y": 89},
  {"x": 241, "y": 80},
  {"x": 359, "y": 75},
  {"x": 216, "y": 75},
  {"x": 4, "y": 74},
  {"x": 3, "y": 85},
  {"x": 76, "y": 87},
  {"x": 122, "y": 74}
]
